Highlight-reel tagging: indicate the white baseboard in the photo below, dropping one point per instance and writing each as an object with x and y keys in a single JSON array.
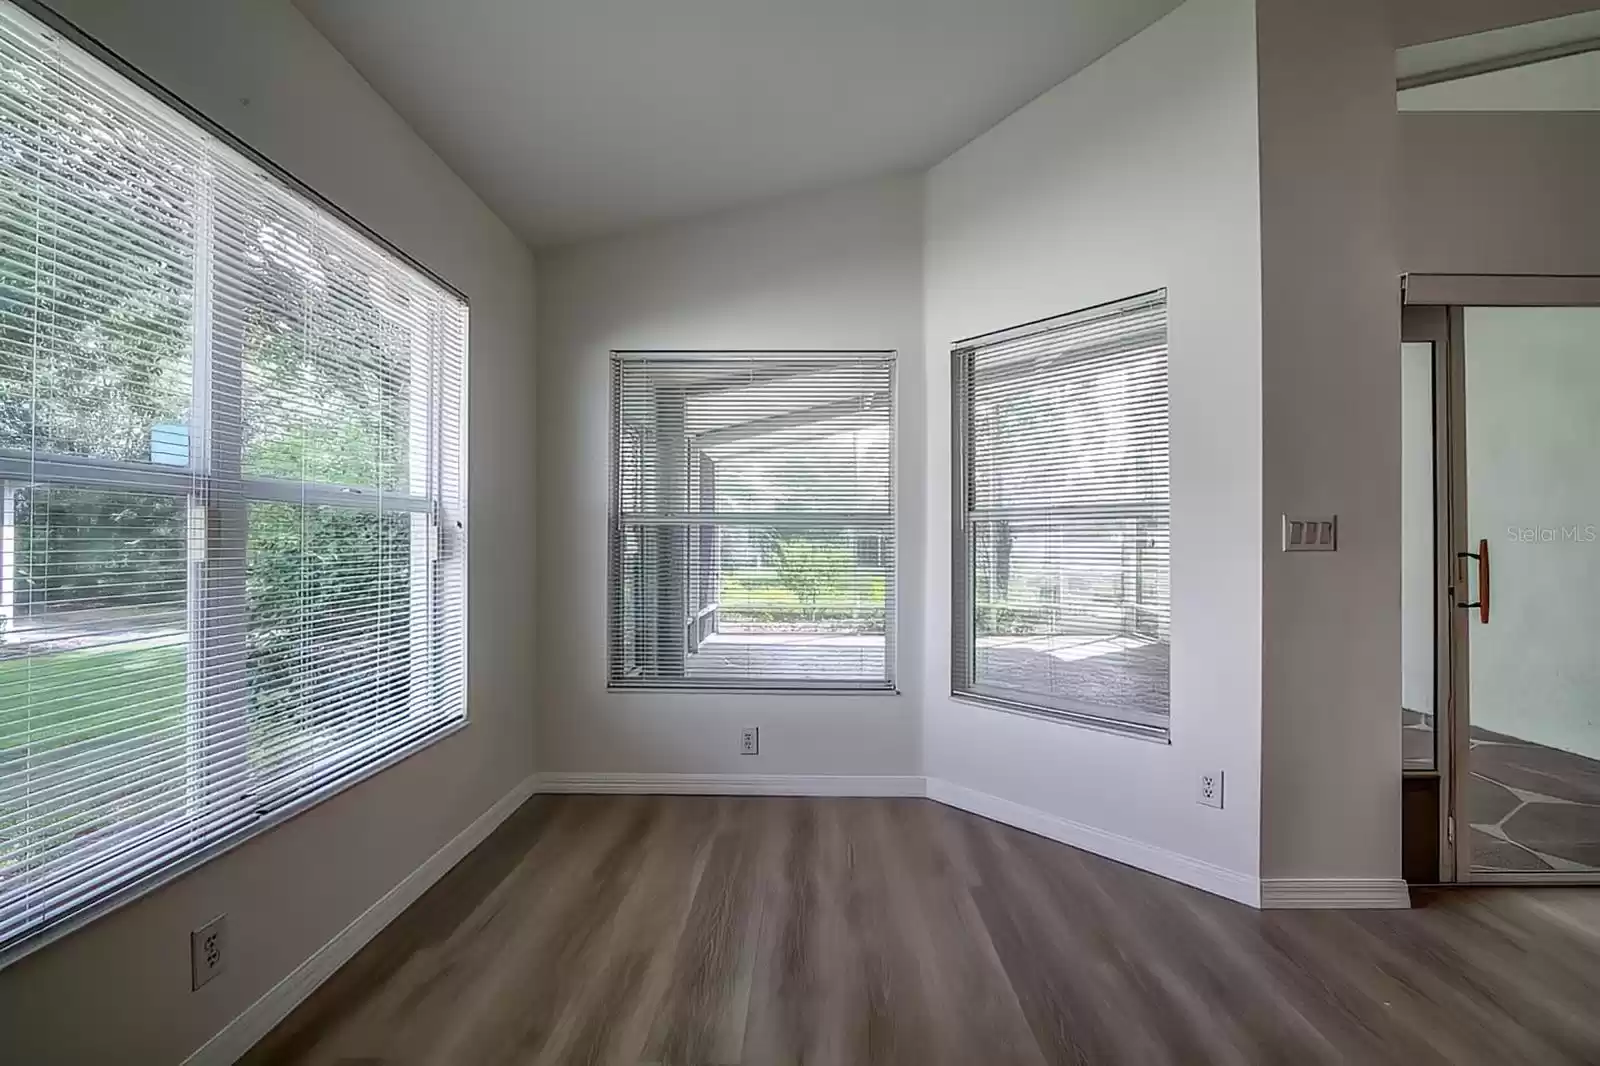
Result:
[
  {"x": 736, "y": 784},
  {"x": 1172, "y": 865},
  {"x": 241, "y": 1034},
  {"x": 1335, "y": 893}
]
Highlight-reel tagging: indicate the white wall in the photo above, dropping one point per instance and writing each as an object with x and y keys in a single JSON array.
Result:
[
  {"x": 1533, "y": 491},
  {"x": 1137, "y": 173},
  {"x": 1500, "y": 193},
  {"x": 1420, "y": 21},
  {"x": 1331, "y": 440},
  {"x": 835, "y": 270},
  {"x": 261, "y": 70}
]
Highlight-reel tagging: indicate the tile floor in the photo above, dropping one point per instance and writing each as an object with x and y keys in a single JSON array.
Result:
[{"x": 1530, "y": 808}]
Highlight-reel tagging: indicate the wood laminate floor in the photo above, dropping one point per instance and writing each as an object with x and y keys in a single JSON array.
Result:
[{"x": 699, "y": 930}]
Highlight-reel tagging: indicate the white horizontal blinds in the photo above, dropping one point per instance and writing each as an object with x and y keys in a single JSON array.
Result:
[
  {"x": 343, "y": 358},
  {"x": 754, "y": 535},
  {"x": 93, "y": 747},
  {"x": 98, "y": 246},
  {"x": 232, "y": 543},
  {"x": 439, "y": 617},
  {"x": 1067, "y": 502}
]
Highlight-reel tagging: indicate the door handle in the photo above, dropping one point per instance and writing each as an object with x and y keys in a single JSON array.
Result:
[{"x": 1482, "y": 602}]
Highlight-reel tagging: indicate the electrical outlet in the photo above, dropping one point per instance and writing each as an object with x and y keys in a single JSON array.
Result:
[
  {"x": 1210, "y": 789},
  {"x": 208, "y": 950},
  {"x": 750, "y": 742}
]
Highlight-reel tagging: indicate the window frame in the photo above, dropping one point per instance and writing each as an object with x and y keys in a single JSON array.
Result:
[
  {"x": 213, "y": 481},
  {"x": 964, "y": 687},
  {"x": 617, "y": 636}
]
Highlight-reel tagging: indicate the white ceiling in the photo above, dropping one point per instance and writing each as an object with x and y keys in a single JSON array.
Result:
[{"x": 575, "y": 118}]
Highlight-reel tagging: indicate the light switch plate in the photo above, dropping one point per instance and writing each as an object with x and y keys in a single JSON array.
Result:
[{"x": 1311, "y": 534}]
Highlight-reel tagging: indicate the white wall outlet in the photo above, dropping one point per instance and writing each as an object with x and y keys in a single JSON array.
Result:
[
  {"x": 208, "y": 950},
  {"x": 750, "y": 742},
  {"x": 1210, "y": 794}
]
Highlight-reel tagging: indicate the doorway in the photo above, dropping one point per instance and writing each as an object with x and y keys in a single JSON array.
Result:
[{"x": 1500, "y": 575}]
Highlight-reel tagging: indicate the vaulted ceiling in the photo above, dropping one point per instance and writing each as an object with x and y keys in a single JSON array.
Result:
[{"x": 574, "y": 118}]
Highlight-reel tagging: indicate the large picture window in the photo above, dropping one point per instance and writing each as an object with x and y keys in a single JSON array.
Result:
[
  {"x": 752, "y": 540},
  {"x": 1062, "y": 496},
  {"x": 232, "y": 551}
]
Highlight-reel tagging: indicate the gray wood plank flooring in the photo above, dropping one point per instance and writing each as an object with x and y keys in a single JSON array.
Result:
[{"x": 720, "y": 930}]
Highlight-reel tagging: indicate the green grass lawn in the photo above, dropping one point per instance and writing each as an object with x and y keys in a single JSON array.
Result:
[{"x": 50, "y": 701}]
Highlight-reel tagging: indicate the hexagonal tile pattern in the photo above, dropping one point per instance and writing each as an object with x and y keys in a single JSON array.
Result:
[
  {"x": 1488, "y": 803},
  {"x": 1492, "y": 853},
  {"x": 1532, "y": 807},
  {"x": 1535, "y": 768},
  {"x": 1566, "y": 830}
]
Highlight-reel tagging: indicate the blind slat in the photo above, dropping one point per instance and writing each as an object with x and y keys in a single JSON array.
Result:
[
  {"x": 232, "y": 554},
  {"x": 753, "y": 520},
  {"x": 1063, "y": 558}
]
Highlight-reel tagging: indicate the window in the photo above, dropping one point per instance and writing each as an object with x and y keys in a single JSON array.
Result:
[
  {"x": 1062, "y": 601},
  {"x": 752, "y": 539},
  {"x": 232, "y": 550}
]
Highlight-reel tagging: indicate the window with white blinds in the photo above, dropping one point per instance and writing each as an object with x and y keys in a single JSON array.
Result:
[
  {"x": 1063, "y": 535},
  {"x": 232, "y": 544},
  {"x": 752, "y": 539}
]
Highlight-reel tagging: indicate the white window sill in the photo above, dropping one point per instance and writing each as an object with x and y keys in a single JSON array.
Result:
[{"x": 1082, "y": 720}]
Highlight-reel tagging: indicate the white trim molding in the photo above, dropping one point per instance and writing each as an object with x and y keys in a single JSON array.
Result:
[
  {"x": 736, "y": 784},
  {"x": 1335, "y": 893},
  {"x": 257, "y": 1020},
  {"x": 1501, "y": 290},
  {"x": 1230, "y": 884}
]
